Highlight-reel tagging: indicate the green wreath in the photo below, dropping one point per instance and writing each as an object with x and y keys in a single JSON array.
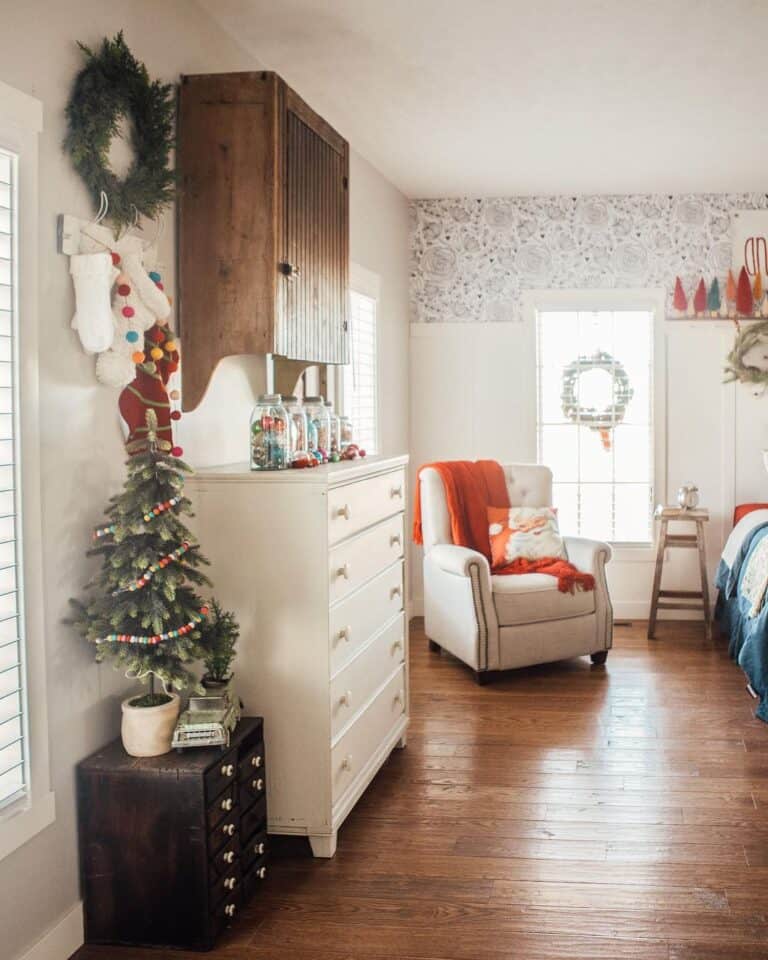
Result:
[
  {"x": 746, "y": 339},
  {"x": 111, "y": 86},
  {"x": 603, "y": 421}
]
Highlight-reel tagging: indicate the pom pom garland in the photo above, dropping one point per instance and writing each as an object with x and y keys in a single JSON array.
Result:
[
  {"x": 132, "y": 336},
  {"x": 149, "y": 515},
  {"x": 154, "y": 567},
  {"x": 157, "y": 637},
  {"x": 123, "y": 289},
  {"x": 154, "y": 275}
]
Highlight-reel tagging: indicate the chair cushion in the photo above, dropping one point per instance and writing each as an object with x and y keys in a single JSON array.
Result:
[{"x": 532, "y": 597}]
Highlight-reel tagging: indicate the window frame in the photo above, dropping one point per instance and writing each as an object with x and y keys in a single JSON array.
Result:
[
  {"x": 368, "y": 284},
  {"x": 617, "y": 299},
  {"x": 21, "y": 121}
]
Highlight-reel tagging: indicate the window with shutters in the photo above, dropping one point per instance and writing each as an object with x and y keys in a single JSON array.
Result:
[
  {"x": 360, "y": 376},
  {"x": 26, "y": 800}
]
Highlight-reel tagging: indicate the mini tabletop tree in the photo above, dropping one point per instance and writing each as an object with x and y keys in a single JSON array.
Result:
[
  {"x": 146, "y": 613},
  {"x": 220, "y": 633}
]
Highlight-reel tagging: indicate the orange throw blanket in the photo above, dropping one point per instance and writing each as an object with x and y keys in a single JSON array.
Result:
[{"x": 472, "y": 487}]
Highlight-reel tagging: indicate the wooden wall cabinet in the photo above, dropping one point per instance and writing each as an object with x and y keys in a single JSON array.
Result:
[{"x": 263, "y": 226}]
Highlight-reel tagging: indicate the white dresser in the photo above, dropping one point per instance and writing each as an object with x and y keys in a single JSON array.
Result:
[{"x": 312, "y": 564}]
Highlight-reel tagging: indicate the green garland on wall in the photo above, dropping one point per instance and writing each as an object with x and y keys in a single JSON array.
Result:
[
  {"x": 747, "y": 338},
  {"x": 111, "y": 86}
]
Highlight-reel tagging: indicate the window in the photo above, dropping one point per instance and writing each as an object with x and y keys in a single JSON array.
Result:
[
  {"x": 596, "y": 418},
  {"x": 13, "y": 773},
  {"x": 359, "y": 386},
  {"x": 26, "y": 800}
]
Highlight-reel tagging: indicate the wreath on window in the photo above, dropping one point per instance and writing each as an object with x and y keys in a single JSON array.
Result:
[
  {"x": 602, "y": 421},
  {"x": 113, "y": 85},
  {"x": 747, "y": 338}
]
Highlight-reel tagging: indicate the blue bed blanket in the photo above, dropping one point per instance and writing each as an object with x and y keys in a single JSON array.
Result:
[{"x": 742, "y": 608}]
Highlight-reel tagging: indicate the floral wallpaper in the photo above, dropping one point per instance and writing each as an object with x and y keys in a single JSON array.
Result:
[{"x": 471, "y": 259}]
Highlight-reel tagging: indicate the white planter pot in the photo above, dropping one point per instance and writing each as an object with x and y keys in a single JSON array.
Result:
[{"x": 147, "y": 731}]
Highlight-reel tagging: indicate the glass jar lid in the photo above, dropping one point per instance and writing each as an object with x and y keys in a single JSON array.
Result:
[
  {"x": 317, "y": 399},
  {"x": 270, "y": 398}
]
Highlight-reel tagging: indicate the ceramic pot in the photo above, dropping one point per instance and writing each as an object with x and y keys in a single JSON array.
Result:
[{"x": 148, "y": 731}]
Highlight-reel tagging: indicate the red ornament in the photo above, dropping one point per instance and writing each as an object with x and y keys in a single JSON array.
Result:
[
  {"x": 159, "y": 285},
  {"x": 123, "y": 289},
  {"x": 128, "y": 311},
  {"x": 744, "y": 294},
  {"x": 361, "y": 453},
  {"x": 204, "y": 611},
  {"x": 172, "y": 367},
  {"x": 176, "y": 452},
  {"x": 156, "y": 335},
  {"x": 679, "y": 301},
  {"x": 700, "y": 297},
  {"x": 175, "y": 415},
  {"x": 115, "y": 258}
]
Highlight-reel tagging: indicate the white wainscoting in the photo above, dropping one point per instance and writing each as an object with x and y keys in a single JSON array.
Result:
[{"x": 473, "y": 395}]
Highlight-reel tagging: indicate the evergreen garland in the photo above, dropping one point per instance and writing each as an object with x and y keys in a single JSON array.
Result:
[
  {"x": 113, "y": 85},
  {"x": 152, "y": 629}
]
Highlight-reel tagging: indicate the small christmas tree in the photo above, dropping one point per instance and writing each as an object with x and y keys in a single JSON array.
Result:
[{"x": 146, "y": 614}]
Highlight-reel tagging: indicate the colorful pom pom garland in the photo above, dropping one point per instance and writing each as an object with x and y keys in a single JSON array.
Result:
[
  {"x": 156, "y": 638},
  {"x": 153, "y": 568},
  {"x": 149, "y": 515}
]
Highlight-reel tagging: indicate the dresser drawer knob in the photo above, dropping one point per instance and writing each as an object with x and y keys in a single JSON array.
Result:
[
  {"x": 395, "y": 540},
  {"x": 230, "y": 883},
  {"x": 347, "y": 762},
  {"x": 261, "y": 873},
  {"x": 257, "y": 784},
  {"x": 258, "y": 849},
  {"x": 395, "y": 592},
  {"x": 230, "y": 910},
  {"x": 344, "y": 512},
  {"x": 345, "y": 700},
  {"x": 256, "y": 761},
  {"x": 229, "y": 829},
  {"x": 229, "y": 856},
  {"x": 345, "y": 571},
  {"x": 227, "y": 770},
  {"x": 345, "y": 633},
  {"x": 396, "y": 491},
  {"x": 227, "y": 804}
]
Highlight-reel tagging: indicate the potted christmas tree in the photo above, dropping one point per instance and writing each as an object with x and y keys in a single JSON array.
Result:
[
  {"x": 220, "y": 633},
  {"x": 145, "y": 613}
]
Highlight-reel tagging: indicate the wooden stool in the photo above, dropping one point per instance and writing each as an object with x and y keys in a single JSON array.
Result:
[{"x": 681, "y": 599}]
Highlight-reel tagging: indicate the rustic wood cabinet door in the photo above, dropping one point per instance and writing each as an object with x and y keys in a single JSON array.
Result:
[{"x": 315, "y": 269}]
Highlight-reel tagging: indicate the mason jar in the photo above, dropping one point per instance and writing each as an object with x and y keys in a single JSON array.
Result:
[
  {"x": 270, "y": 434},
  {"x": 320, "y": 426},
  {"x": 299, "y": 428}
]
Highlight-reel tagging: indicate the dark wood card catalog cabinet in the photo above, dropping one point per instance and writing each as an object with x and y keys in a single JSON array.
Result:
[
  {"x": 172, "y": 847},
  {"x": 263, "y": 226}
]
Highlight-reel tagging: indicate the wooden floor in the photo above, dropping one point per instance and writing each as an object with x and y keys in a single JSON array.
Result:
[{"x": 566, "y": 811}]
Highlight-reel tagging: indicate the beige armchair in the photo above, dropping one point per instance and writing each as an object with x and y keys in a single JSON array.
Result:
[{"x": 499, "y": 623}]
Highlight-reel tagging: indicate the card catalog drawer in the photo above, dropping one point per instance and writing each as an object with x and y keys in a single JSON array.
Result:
[
  {"x": 355, "y": 561},
  {"x": 352, "y": 688},
  {"x": 355, "y": 620},
  {"x": 358, "y": 505},
  {"x": 352, "y": 753}
]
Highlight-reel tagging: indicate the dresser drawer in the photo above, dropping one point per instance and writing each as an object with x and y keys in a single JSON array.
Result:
[
  {"x": 226, "y": 858},
  {"x": 223, "y": 804},
  {"x": 355, "y": 561},
  {"x": 220, "y": 775},
  {"x": 252, "y": 787},
  {"x": 355, "y": 506},
  {"x": 353, "y": 687},
  {"x": 364, "y": 737},
  {"x": 254, "y": 878},
  {"x": 253, "y": 820},
  {"x": 224, "y": 831},
  {"x": 355, "y": 620},
  {"x": 226, "y": 885},
  {"x": 256, "y": 847}
]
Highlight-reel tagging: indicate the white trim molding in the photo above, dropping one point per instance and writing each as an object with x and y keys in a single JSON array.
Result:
[{"x": 62, "y": 940}]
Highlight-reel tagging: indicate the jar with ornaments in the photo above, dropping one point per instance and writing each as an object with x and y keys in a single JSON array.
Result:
[
  {"x": 346, "y": 433},
  {"x": 320, "y": 427},
  {"x": 335, "y": 442},
  {"x": 270, "y": 434},
  {"x": 299, "y": 429}
]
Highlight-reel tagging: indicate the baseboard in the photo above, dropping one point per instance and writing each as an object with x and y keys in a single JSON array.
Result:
[
  {"x": 62, "y": 940},
  {"x": 640, "y": 609}
]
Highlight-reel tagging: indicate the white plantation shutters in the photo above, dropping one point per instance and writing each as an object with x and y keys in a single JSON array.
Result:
[
  {"x": 360, "y": 386},
  {"x": 13, "y": 779}
]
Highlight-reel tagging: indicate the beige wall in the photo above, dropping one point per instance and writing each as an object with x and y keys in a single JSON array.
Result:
[{"x": 82, "y": 452}]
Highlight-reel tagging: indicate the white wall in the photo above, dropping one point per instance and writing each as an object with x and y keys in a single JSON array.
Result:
[
  {"x": 82, "y": 453},
  {"x": 474, "y": 396}
]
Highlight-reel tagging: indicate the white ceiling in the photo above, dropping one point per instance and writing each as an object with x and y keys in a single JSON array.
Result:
[{"x": 503, "y": 97}]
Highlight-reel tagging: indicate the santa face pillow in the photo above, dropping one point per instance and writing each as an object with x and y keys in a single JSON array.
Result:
[{"x": 527, "y": 532}]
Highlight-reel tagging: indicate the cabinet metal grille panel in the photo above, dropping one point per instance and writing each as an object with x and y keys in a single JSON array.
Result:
[{"x": 313, "y": 323}]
